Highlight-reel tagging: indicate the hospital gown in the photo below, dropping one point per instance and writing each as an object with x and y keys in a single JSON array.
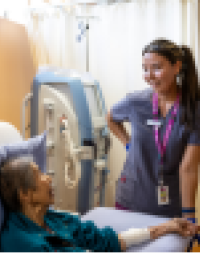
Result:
[{"x": 136, "y": 189}]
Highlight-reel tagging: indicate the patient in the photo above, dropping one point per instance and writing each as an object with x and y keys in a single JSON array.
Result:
[{"x": 31, "y": 227}]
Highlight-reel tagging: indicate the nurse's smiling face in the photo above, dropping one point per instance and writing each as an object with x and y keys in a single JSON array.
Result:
[{"x": 159, "y": 73}]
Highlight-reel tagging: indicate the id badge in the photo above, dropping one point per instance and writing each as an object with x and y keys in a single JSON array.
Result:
[{"x": 163, "y": 195}]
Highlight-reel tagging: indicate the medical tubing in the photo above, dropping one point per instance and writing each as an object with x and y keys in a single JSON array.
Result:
[
  {"x": 135, "y": 236},
  {"x": 25, "y": 101}
]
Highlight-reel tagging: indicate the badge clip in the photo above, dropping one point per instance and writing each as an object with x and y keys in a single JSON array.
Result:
[{"x": 154, "y": 123}]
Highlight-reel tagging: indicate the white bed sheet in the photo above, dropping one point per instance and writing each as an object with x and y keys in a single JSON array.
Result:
[{"x": 123, "y": 220}]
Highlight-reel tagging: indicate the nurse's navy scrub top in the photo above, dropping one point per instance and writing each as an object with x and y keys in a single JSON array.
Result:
[{"x": 136, "y": 187}]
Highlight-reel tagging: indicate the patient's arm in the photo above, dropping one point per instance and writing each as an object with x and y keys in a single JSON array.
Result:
[
  {"x": 136, "y": 236},
  {"x": 158, "y": 231}
]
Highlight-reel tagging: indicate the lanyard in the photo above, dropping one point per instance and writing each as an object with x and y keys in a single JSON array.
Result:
[{"x": 162, "y": 146}]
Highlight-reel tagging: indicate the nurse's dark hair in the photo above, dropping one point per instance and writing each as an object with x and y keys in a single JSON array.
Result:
[
  {"x": 15, "y": 174},
  {"x": 188, "y": 74}
]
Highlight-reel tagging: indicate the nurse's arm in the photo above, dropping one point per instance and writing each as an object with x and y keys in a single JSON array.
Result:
[
  {"x": 188, "y": 174},
  {"x": 118, "y": 130}
]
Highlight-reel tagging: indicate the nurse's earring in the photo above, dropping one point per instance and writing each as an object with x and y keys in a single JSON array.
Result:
[{"x": 179, "y": 79}]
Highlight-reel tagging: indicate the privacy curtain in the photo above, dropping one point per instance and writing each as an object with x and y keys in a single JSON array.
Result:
[{"x": 116, "y": 38}]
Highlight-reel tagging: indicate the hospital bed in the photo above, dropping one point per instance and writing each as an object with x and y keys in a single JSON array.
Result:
[{"x": 118, "y": 220}]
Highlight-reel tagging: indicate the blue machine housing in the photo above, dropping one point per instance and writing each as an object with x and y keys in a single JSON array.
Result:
[{"x": 80, "y": 104}]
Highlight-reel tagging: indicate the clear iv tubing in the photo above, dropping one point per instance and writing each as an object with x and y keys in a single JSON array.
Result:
[
  {"x": 48, "y": 126},
  {"x": 71, "y": 184}
]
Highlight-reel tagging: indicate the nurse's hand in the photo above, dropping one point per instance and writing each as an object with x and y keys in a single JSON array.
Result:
[{"x": 182, "y": 227}]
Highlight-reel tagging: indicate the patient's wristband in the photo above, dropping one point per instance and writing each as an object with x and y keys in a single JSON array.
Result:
[{"x": 135, "y": 236}]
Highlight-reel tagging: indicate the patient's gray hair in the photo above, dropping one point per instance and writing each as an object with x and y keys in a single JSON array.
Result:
[{"x": 15, "y": 175}]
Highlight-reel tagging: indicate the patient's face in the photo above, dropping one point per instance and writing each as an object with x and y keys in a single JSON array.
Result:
[{"x": 43, "y": 194}]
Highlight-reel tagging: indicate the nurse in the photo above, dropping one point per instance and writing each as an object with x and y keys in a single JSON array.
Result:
[{"x": 160, "y": 175}]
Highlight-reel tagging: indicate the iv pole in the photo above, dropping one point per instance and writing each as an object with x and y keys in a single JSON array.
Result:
[
  {"x": 87, "y": 18},
  {"x": 102, "y": 176}
]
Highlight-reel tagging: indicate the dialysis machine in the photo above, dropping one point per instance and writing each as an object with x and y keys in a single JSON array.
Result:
[{"x": 72, "y": 110}]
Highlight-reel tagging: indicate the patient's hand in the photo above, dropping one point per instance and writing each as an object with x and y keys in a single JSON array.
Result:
[
  {"x": 177, "y": 225},
  {"x": 181, "y": 226}
]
